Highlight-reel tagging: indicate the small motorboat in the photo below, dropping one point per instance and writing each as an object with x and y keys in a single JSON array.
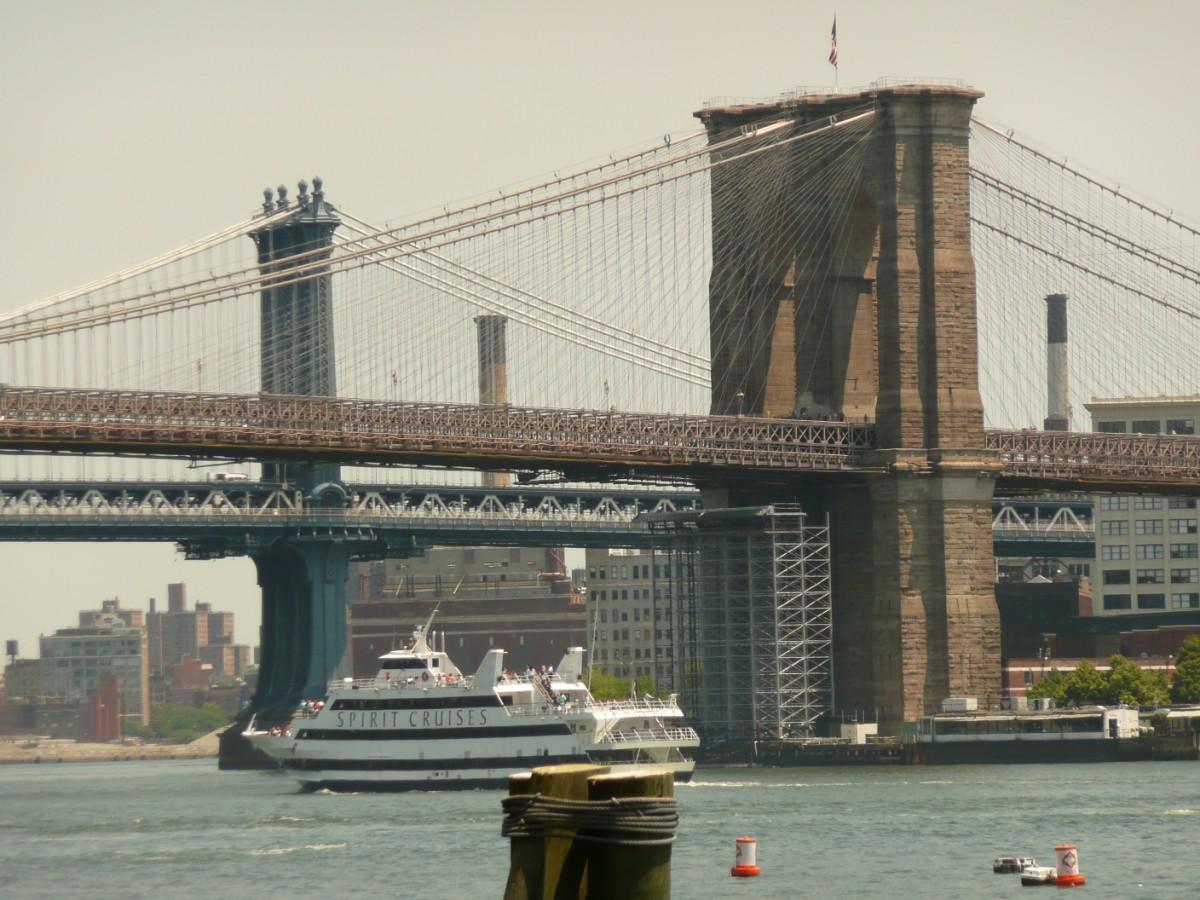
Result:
[
  {"x": 1037, "y": 875},
  {"x": 1012, "y": 865}
]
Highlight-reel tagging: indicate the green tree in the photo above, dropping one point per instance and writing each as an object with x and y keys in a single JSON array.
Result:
[
  {"x": 1053, "y": 685},
  {"x": 1185, "y": 687},
  {"x": 134, "y": 728},
  {"x": 183, "y": 724},
  {"x": 613, "y": 687},
  {"x": 1132, "y": 685},
  {"x": 1085, "y": 685}
]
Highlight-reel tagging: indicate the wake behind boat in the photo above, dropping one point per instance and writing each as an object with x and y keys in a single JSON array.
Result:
[{"x": 422, "y": 724}]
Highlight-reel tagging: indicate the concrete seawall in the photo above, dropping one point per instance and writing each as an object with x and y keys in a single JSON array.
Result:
[{"x": 34, "y": 750}]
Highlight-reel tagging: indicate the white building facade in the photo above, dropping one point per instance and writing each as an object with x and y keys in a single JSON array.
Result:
[
  {"x": 1147, "y": 546},
  {"x": 74, "y": 659},
  {"x": 629, "y": 612}
]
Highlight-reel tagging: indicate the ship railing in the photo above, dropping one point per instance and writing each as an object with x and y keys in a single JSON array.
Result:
[
  {"x": 395, "y": 684},
  {"x": 357, "y": 684},
  {"x": 642, "y": 735},
  {"x": 645, "y": 704}
]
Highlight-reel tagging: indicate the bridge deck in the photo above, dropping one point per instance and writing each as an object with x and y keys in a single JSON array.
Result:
[{"x": 364, "y": 432}]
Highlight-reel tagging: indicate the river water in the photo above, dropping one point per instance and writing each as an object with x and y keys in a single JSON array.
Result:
[{"x": 184, "y": 829}]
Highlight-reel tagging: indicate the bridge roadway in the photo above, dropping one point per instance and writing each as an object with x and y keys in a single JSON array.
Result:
[
  {"x": 222, "y": 518},
  {"x": 235, "y": 426}
]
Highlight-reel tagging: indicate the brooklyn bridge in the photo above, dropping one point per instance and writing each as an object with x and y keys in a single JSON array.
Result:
[{"x": 831, "y": 303}]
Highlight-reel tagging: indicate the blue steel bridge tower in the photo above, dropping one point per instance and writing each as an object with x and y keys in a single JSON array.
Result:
[{"x": 302, "y": 575}]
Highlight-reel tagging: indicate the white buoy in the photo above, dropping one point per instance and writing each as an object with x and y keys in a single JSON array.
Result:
[
  {"x": 1067, "y": 874},
  {"x": 745, "y": 863}
]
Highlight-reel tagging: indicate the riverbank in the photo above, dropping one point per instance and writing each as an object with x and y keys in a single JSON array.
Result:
[{"x": 49, "y": 750}]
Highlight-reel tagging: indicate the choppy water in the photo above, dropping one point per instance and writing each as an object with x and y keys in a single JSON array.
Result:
[{"x": 183, "y": 829}]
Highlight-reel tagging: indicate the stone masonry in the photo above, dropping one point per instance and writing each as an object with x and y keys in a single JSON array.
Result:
[{"x": 914, "y": 602}]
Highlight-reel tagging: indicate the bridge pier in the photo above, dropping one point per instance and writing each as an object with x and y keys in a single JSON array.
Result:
[
  {"x": 304, "y": 620},
  {"x": 880, "y": 325},
  {"x": 303, "y": 637}
]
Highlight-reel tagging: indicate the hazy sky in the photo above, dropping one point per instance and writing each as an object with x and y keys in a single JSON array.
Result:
[{"x": 131, "y": 128}]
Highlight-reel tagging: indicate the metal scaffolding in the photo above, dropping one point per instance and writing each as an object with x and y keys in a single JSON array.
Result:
[{"x": 752, "y": 648}]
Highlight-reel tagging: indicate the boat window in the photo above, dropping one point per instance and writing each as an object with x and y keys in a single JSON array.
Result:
[{"x": 403, "y": 664}]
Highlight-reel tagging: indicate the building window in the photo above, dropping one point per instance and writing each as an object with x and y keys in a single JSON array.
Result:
[
  {"x": 1144, "y": 502},
  {"x": 1181, "y": 426},
  {"x": 1183, "y": 526},
  {"x": 1113, "y": 529},
  {"x": 1154, "y": 551},
  {"x": 1145, "y": 426},
  {"x": 1116, "y": 601},
  {"x": 1114, "y": 504},
  {"x": 1111, "y": 427},
  {"x": 1117, "y": 576},
  {"x": 604, "y": 615},
  {"x": 1148, "y": 526},
  {"x": 1152, "y": 601},
  {"x": 637, "y": 615},
  {"x": 603, "y": 573},
  {"x": 1112, "y": 553},
  {"x": 1150, "y": 576},
  {"x": 1182, "y": 502},
  {"x": 1185, "y": 576},
  {"x": 1185, "y": 601},
  {"x": 1183, "y": 551}
]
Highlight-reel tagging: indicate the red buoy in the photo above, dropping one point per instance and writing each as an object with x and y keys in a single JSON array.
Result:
[
  {"x": 1067, "y": 874},
  {"x": 744, "y": 861}
]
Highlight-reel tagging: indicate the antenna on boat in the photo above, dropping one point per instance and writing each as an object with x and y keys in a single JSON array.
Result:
[{"x": 423, "y": 632}]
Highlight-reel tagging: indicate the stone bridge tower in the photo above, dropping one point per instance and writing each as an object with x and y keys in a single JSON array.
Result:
[{"x": 915, "y": 616}]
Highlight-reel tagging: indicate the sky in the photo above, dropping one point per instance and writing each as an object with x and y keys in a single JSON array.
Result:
[{"x": 131, "y": 128}]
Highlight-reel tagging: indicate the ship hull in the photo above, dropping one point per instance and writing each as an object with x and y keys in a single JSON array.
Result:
[{"x": 465, "y": 780}]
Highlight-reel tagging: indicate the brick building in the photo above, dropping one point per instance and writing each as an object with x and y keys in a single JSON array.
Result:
[{"x": 518, "y": 599}]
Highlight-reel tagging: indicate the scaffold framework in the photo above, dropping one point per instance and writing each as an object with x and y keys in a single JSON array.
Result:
[{"x": 752, "y": 646}]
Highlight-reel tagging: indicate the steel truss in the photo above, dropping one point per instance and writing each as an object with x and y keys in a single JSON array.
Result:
[{"x": 249, "y": 511}]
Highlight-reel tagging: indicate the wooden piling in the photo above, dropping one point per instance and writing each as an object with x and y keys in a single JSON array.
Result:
[
  {"x": 524, "y": 853},
  {"x": 561, "y": 867},
  {"x": 619, "y": 872},
  {"x": 564, "y": 872}
]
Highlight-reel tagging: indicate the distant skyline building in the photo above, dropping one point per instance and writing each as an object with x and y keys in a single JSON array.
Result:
[
  {"x": 1147, "y": 546},
  {"x": 199, "y": 633},
  {"x": 628, "y": 605},
  {"x": 73, "y": 661}
]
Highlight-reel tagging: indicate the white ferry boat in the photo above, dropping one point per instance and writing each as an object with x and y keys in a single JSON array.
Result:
[{"x": 421, "y": 724}]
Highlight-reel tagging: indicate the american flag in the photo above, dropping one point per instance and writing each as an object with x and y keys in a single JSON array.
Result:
[{"x": 833, "y": 45}]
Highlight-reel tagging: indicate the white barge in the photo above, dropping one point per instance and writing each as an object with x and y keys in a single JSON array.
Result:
[{"x": 421, "y": 724}]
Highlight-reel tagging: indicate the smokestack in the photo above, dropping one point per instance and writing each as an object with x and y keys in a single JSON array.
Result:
[
  {"x": 1058, "y": 410},
  {"x": 493, "y": 377}
]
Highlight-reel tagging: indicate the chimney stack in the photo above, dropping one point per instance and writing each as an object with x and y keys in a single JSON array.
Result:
[
  {"x": 493, "y": 377},
  {"x": 1058, "y": 410}
]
